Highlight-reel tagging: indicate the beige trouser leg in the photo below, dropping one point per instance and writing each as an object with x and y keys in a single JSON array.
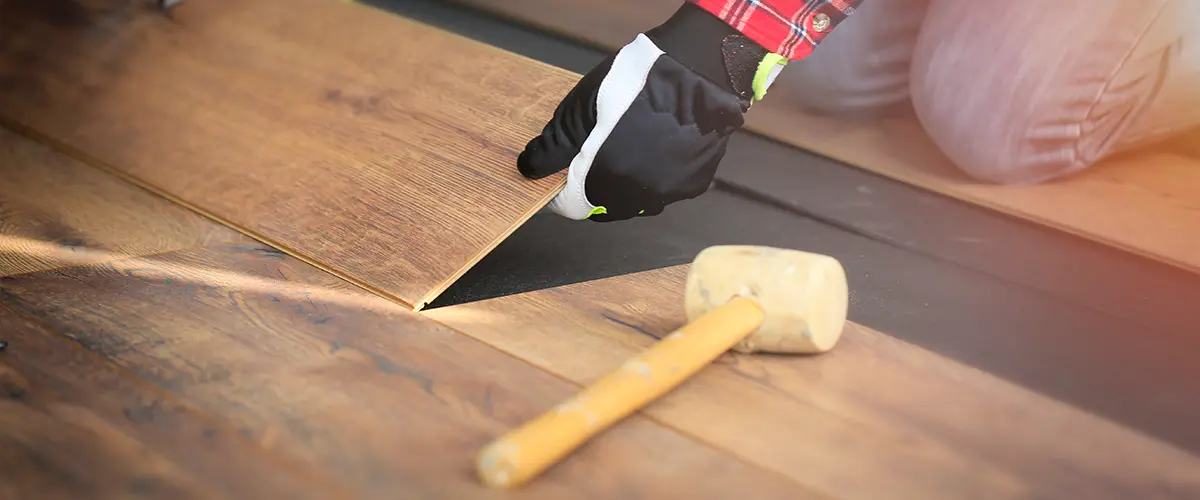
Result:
[
  {"x": 1023, "y": 91},
  {"x": 1013, "y": 91}
]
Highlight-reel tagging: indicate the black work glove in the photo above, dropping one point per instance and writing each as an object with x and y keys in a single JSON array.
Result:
[{"x": 648, "y": 126}]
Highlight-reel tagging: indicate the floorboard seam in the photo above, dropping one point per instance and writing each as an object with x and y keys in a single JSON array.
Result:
[{"x": 93, "y": 162}]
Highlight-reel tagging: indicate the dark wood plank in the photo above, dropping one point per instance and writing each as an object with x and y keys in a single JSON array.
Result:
[
  {"x": 371, "y": 145},
  {"x": 73, "y": 426},
  {"x": 53, "y": 209},
  {"x": 347, "y": 382},
  {"x": 917, "y": 424},
  {"x": 1162, "y": 184}
]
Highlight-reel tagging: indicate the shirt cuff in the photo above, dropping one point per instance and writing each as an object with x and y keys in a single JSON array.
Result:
[{"x": 790, "y": 28}]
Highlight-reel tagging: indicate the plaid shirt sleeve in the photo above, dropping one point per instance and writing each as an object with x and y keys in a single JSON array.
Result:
[{"x": 790, "y": 28}]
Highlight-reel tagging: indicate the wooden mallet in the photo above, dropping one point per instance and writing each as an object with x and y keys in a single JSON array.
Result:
[{"x": 745, "y": 298}]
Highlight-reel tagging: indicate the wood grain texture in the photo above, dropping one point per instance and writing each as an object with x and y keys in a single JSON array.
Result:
[
  {"x": 874, "y": 418},
  {"x": 52, "y": 205},
  {"x": 73, "y": 426},
  {"x": 1147, "y": 203},
  {"x": 375, "y": 146},
  {"x": 352, "y": 385}
]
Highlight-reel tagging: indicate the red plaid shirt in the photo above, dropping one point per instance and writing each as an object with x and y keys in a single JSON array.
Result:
[{"x": 790, "y": 28}]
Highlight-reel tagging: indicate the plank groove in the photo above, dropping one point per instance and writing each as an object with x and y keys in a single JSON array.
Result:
[
  {"x": 52, "y": 206},
  {"x": 72, "y": 426},
  {"x": 347, "y": 383},
  {"x": 917, "y": 424},
  {"x": 368, "y": 144},
  {"x": 1162, "y": 183}
]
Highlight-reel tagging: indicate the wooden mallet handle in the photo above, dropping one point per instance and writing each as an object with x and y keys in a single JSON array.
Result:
[{"x": 522, "y": 454}]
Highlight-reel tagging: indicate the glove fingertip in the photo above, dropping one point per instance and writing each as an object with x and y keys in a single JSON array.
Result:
[
  {"x": 539, "y": 161},
  {"x": 532, "y": 162}
]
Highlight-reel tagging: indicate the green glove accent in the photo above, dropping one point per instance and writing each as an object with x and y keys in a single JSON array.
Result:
[{"x": 763, "y": 77}]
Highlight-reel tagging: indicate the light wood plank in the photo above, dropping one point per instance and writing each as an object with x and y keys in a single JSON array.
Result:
[
  {"x": 1147, "y": 203},
  {"x": 73, "y": 426},
  {"x": 366, "y": 391},
  {"x": 61, "y": 205},
  {"x": 875, "y": 418},
  {"x": 369, "y": 144}
]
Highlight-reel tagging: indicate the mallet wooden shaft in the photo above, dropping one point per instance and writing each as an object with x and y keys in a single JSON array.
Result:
[{"x": 522, "y": 454}]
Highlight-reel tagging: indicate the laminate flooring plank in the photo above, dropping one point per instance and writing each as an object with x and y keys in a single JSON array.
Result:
[
  {"x": 51, "y": 206},
  {"x": 1146, "y": 202},
  {"x": 875, "y": 418},
  {"x": 74, "y": 426},
  {"x": 376, "y": 147},
  {"x": 351, "y": 384}
]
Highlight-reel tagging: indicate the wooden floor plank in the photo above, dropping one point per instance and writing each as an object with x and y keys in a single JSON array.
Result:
[
  {"x": 875, "y": 418},
  {"x": 1162, "y": 185},
  {"x": 372, "y": 145},
  {"x": 340, "y": 380},
  {"x": 73, "y": 426},
  {"x": 52, "y": 205}
]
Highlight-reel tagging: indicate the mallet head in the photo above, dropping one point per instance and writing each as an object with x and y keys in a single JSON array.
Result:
[{"x": 804, "y": 295}]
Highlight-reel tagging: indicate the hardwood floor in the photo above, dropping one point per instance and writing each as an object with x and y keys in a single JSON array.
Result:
[
  {"x": 354, "y": 389},
  {"x": 73, "y": 425},
  {"x": 1147, "y": 203},
  {"x": 917, "y": 424},
  {"x": 368, "y": 144},
  {"x": 153, "y": 352},
  {"x": 297, "y": 374},
  {"x": 204, "y": 364}
]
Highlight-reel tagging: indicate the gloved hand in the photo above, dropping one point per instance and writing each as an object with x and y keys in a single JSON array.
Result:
[{"x": 648, "y": 126}]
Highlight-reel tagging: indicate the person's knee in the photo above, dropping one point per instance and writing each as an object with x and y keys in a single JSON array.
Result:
[
  {"x": 1014, "y": 97},
  {"x": 862, "y": 67}
]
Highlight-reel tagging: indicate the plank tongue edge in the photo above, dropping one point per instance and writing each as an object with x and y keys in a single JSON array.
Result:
[{"x": 443, "y": 286}]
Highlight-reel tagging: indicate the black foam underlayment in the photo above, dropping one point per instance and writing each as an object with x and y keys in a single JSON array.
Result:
[{"x": 1095, "y": 327}]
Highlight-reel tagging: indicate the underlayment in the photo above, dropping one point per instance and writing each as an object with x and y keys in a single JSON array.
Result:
[{"x": 1021, "y": 301}]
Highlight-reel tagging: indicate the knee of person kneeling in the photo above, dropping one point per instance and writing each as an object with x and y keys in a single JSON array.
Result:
[
  {"x": 992, "y": 136},
  {"x": 985, "y": 139},
  {"x": 1005, "y": 159},
  {"x": 1096, "y": 84},
  {"x": 989, "y": 145}
]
